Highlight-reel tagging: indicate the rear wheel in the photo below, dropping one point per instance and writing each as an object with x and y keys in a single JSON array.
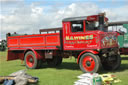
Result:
[
  {"x": 112, "y": 62},
  {"x": 31, "y": 61},
  {"x": 2, "y": 48},
  {"x": 89, "y": 63}
]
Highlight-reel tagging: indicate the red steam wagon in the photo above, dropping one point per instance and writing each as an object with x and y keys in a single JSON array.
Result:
[{"x": 86, "y": 38}]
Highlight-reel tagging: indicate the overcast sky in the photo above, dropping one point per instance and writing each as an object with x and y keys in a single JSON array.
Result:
[{"x": 28, "y": 16}]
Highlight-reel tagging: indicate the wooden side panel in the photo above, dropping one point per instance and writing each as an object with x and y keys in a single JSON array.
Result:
[
  {"x": 82, "y": 41},
  {"x": 13, "y": 42},
  {"x": 44, "y": 41},
  {"x": 52, "y": 40},
  {"x": 32, "y": 41}
]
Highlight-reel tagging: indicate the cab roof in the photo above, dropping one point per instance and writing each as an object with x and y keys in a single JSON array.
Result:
[
  {"x": 81, "y": 18},
  {"x": 75, "y": 18}
]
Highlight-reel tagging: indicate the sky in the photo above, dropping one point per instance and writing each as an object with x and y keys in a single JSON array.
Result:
[{"x": 28, "y": 16}]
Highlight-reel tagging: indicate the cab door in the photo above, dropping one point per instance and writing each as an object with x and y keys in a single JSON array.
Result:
[{"x": 74, "y": 35}]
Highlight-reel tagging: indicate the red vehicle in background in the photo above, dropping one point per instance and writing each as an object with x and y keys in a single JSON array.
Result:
[{"x": 86, "y": 38}]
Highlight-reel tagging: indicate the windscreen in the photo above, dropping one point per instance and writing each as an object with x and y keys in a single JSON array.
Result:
[{"x": 91, "y": 25}]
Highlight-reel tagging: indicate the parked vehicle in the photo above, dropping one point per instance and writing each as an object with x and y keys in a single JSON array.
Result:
[
  {"x": 86, "y": 38},
  {"x": 3, "y": 45},
  {"x": 122, "y": 35}
]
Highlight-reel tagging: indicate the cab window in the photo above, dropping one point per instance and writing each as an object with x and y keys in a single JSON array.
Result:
[
  {"x": 77, "y": 26},
  {"x": 91, "y": 25}
]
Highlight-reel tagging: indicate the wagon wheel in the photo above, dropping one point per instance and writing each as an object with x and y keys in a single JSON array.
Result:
[
  {"x": 55, "y": 61},
  {"x": 3, "y": 48},
  {"x": 31, "y": 61},
  {"x": 89, "y": 63},
  {"x": 112, "y": 64}
]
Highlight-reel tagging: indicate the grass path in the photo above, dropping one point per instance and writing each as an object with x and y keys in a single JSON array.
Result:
[{"x": 65, "y": 74}]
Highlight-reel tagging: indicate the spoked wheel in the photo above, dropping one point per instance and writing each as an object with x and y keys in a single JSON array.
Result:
[
  {"x": 57, "y": 60},
  {"x": 112, "y": 62},
  {"x": 89, "y": 63},
  {"x": 31, "y": 61}
]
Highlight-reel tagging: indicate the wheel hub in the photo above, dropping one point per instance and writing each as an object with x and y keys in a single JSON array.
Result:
[
  {"x": 31, "y": 60},
  {"x": 88, "y": 63}
]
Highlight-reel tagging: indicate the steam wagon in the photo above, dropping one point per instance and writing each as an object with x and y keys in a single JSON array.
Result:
[{"x": 86, "y": 38}]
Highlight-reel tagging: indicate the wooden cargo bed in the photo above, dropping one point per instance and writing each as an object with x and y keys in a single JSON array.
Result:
[{"x": 35, "y": 41}]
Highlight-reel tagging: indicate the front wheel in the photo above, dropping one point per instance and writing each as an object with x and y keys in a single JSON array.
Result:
[
  {"x": 112, "y": 62},
  {"x": 31, "y": 61},
  {"x": 89, "y": 63}
]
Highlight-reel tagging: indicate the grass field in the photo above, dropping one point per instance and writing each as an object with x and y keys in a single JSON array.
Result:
[{"x": 65, "y": 74}]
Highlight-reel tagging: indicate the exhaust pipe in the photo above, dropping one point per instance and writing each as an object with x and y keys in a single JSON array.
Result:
[{"x": 101, "y": 21}]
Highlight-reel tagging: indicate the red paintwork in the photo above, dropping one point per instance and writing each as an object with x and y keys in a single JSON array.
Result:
[
  {"x": 33, "y": 43},
  {"x": 11, "y": 55},
  {"x": 20, "y": 55},
  {"x": 36, "y": 40},
  {"x": 40, "y": 54},
  {"x": 100, "y": 40},
  {"x": 91, "y": 61},
  {"x": 83, "y": 40},
  {"x": 78, "y": 44},
  {"x": 35, "y": 48},
  {"x": 95, "y": 18},
  {"x": 86, "y": 51},
  {"x": 30, "y": 64},
  {"x": 118, "y": 33}
]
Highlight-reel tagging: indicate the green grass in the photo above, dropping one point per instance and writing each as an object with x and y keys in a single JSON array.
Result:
[{"x": 65, "y": 74}]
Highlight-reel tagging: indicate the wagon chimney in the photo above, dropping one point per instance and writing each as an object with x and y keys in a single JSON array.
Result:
[{"x": 101, "y": 21}]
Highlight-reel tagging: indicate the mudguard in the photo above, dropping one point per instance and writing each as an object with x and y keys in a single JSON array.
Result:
[{"x": 86, "y": 51}]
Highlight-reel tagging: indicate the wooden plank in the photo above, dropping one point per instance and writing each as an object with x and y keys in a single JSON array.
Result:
[{"x": 52, "y": 29}]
